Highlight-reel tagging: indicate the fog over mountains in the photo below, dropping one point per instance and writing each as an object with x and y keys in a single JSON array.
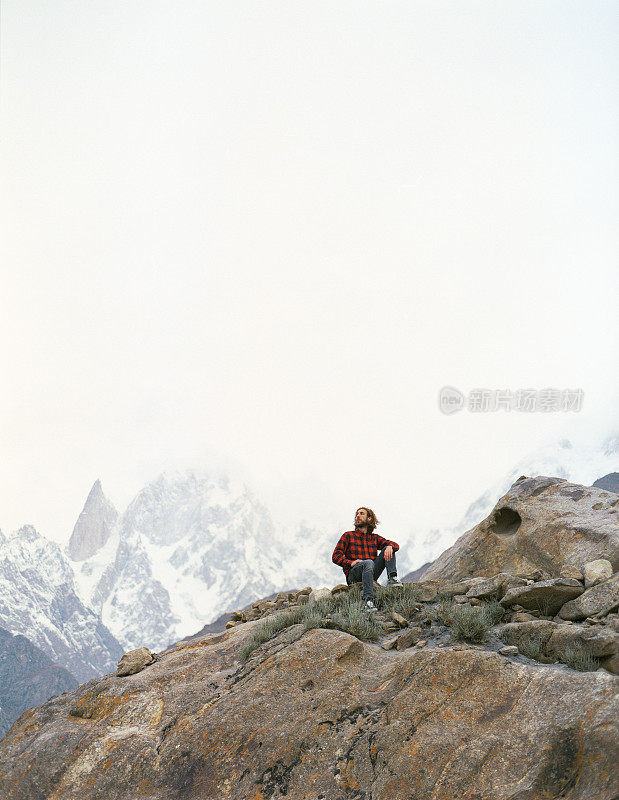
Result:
[
  {"x": 560, "y": 459},
  {"x": 191, "y": 546},
  {"x": 188, "y": 548}
]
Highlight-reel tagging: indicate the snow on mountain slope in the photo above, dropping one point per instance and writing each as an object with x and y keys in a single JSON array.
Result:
[
  {"x": 577, "y": 463},
  {"x": 38, "y": 599},
  {"x": 188, "y": 548}
]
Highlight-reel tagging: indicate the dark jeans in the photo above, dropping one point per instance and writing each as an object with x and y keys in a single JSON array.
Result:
[{"x": 369, "y": 571}]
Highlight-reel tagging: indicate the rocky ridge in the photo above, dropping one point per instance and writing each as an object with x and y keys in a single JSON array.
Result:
[
  {"x": 575, "y": 462},
  {"x": 485, "y": 683},
  {"x": 319, "y": 713},
  {"x": 524, "y": 599},
  {"x": 541, "y": 522}
]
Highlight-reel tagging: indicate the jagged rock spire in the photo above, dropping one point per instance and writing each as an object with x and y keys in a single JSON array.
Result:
[{"x": 93, "y": 526}]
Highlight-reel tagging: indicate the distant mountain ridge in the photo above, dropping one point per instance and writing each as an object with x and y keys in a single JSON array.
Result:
[
  {"x": 39, "y": 599},
  {"x": 28, "y": 677},
  {"x": 189, "y": 547},
  {"x": 608, "y": 482}
]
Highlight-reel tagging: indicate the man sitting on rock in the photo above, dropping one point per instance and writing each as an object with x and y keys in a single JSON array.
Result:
[{"x": 363, "y": 555}]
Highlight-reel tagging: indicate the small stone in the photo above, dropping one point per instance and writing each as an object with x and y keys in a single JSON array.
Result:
[
  {"x": 399, "y": 619},
  {"x": 340, "y": 589},
  {"x": 427, "y": 590},
  {"x": 421, "y": 643},
  {"x": 319, "y": 594},
  {"x": 521, "y": 616},
  {"x": 509, "y": 650},
  {"x": 474, "y": 601},
  {"x": 460, "y": 598},
  {"x": 408, "y": 639},
  {"x": 389, "y": 644},
  {"x": 611, "y": 664},
  {"x": 568, "y": 571},
  {"x": 449, "y": 589},
  {"x": 483, "y": 588},
  {"x": 134, "y": 661},
  {"x": 597, "y": 571}
]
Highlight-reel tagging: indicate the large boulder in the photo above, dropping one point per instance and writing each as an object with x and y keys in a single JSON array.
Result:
[
  {"x": 547, "y": 596},
  {"x": 597, "y": 571},
  {"x": 322, "y": 714},
  {"x": 134, "y": 661},
  {"x": 600, "y": 599},
  {"x": 554, "y": 638},
  {"x": 541, "y": 523}
]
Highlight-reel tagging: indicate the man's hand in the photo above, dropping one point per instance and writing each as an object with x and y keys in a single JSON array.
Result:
[
  {"x": 388, "y": 552},
  {"x": 356, "y": 561}
]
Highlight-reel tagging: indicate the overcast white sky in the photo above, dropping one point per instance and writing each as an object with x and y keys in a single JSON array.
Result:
[{"x": 263, "y": 235}]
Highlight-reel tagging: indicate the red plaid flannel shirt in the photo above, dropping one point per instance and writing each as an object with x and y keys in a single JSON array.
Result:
[{"x": 358, "y": 544}]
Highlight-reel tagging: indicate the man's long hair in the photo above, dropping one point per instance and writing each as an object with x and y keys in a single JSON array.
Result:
[{"x": 372, "y": 519}]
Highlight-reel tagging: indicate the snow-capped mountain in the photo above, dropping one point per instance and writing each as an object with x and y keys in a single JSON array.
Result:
[
  {"x": 94, "y": 525},
  {"x": 577, "y": 463},
  {"x": 38, "y": 599},
  {"x": 188, "y": 548}
]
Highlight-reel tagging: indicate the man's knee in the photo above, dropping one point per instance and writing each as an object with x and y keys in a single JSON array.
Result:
[{"x": 367, "y": 563}]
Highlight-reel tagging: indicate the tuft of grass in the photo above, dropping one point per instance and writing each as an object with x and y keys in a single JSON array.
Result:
[
  {"x": 271, "y": 626},
  {"x": 531, "y": 647},
  {"x": 406, "y": 599},
  {"x": 354, "y": 619},
  {"x": 546, "y": 607},
  {"x": 470, "y": 623},
  {"x": 576, "y": 657},
  {"x": 441, "y": 614},
  {"x": 343, "y": 612},
  {"x": 327, "y": 605},
  {"x": 313, "y": 620},
  {"x": 401, "y": 599},
  {"x": 494, "y": 610},
  {"x": 355, "y": 591}
]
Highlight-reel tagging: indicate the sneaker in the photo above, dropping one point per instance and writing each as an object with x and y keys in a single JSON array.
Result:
[
  {"x": 369, "y": 606},
  {"x": 393, "y": 580}
]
